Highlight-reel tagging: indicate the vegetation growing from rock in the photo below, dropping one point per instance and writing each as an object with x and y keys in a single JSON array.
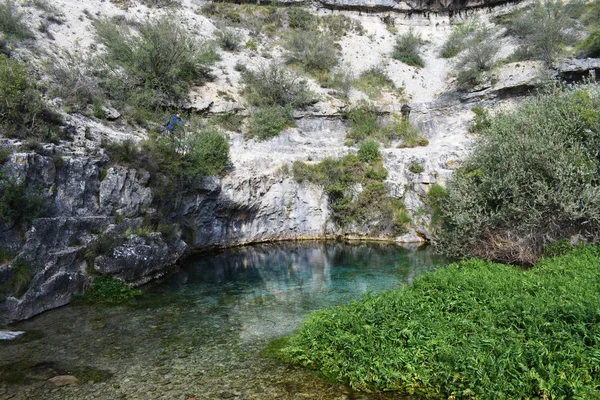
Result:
[
  {"x": 475, "y": 330},
  {"x": 354, "y": 185},
  {"x": 373, "y": 80},
  {"x": 275, "y": 91},
  {"x": 11, "y": 22},
  {"x": 544, "y": 30},
  {"x": 23, "y": 114},
  {"x": 152, "y": 64},
  {"x": 19, "y": 204},
  {"x": 407, "y": 49},
  {"x": 457, "y": 39},
  {"x": 311, "y": 49},
  {"x": 479, "y": 56},
  {"x": 531, "y": 179}
]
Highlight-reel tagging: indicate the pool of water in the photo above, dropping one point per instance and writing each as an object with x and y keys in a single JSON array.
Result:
[{"x": 199, "y": 334}]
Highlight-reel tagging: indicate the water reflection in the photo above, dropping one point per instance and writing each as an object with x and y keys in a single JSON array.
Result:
[{"x": 200, "y": 333}]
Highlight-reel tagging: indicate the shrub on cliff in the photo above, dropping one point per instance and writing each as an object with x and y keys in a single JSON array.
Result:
[
  {"x": 475, "y": 330},
  {"x": 544, "y": 30},
  {"x": 274, "y": 84},
  {"x": 23, "y": 114},
  {"x": 152, "y": 63},
  {"x": 479, "y": 55},
  {"x": 407, "y": 49},
  {"x": 532, "y": 178},
  {"x": 313, "y": 50},
  {"x": 11, "y": 22}
]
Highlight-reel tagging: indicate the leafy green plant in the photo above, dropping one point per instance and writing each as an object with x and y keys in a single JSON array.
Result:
[
  {"x": 373, "y": 80},
  {"x": 369, "y": 151},
  {"x": 109, "y": 290},
  {"x": 148, "y": 64},
  {"x": 481, "y": 119},
  {"x": 477, "y": 58},
  {"x": 415, "y": 167},
  {"x": 299, "y": 18},
  {"x": 311, "y": 49},
  {"x": 435, "y": 196},
  {"x": 276, "y": 85},
  {"x": 18, "y": 203},
  {"x": 228, "y": 40},
  {"x": 11, "y": 22},
  {"x": 531, "y": 179},
  {"x": 544, "y": 30},
  {"x": 590, "y": 47},
  {"x": 371, "y": 206},
  {"x": 364, "y": 122},
  {"x": 410, "y": 135},
  {"x": 22, "y": 111},
  {"x": 458, "y": 38},
  {"x": 407, "y": 49},
  {"x": 267, "y": 121},
  {"x": 341, "y": 80},
  {"x": 472, "y": 330}
]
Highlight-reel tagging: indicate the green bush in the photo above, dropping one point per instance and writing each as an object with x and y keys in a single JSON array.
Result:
[
  {"x": 267, "y": 121},
  {"x": 369, "y": 151},
  {"x": 478, "y": 57},
  {"x": 531, "y": 179},
  {"x": 18, "y": 203},
  {"x": 276, "y": 85},
  {"x": 457, "y": 40},
  {"x": 338, "y": 25},
  {"x": 311, "y": 49},
  {"x": 228, "y": 40},
  {"x": 364, "y": 122},
  {"x": 407, "y": 49},
  {"x": 153, "y": 63},
  {"x": 11, "y": 24},
  {"x": 544, "y": 30},
  {"x": 472, "y": 330},
  {"x": 481, "y": 119},
  {"x": 373, "y": 80},
  {"x": 434, "y": 197},
  {"x": 22, "y": 112},
  {"x": 415, "y": 168},
  {"x": 591, "y": 45},
  {"x": 300, "y": 18},
  {"x": 207, "y": 153},
  {"x": 410, "y": 135},
  {"x": 341, "y": 80}
]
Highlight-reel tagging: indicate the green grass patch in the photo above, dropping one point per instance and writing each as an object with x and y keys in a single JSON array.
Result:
[
  {"x": 11, "y": 22},
  {"x": 473, "y": 330},
  {"x": 373, "y": 81},
  {"x": 108, "y": 290}
]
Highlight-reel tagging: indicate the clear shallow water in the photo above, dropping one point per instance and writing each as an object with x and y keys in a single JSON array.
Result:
[{"x": 200, "y": 333}]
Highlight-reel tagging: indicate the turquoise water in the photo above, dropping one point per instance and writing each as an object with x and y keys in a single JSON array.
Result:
[{"x": 199, "y": 334}]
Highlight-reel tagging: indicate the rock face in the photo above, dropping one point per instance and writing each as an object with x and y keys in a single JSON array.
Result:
[{"x": 409, "y": 5}]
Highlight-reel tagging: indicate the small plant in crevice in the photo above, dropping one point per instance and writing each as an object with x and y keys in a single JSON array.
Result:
[
  {"x": 481, "y": 120},
  {"x": 415, "y": 167},
  {"x": 19, "y": 204},
  {"x": 20, "y": 276},
  {"x": 403, "y": 129},
  {"x": 369, "y": 151}
]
